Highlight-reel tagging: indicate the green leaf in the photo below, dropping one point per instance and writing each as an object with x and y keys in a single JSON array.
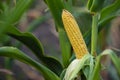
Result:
[
  {"x": 68, "y": 5},
  {"x": 85, "y": 71},
  {"x": 56, "y": 7},
  {"x": 3, "y": 28},
  {"x": 18, "y": 10},
  {"x": 65, "y": 47},
  {"x": 10, "y": 16},
  {"x": 95, "y": 74},
  {"x": 87, "y": 37},
  {"x": 53, "y": 64},
  {"x": 110, "y": 11},
  {"x": 89, "y": 67},
  {"x": 114, "y": 58},
  {"x": 106, "y": 15},
  {"x": 62, "y": 74},
  {"x": 28, "y": 39},
  {"x": 34, "y": 44},
  {"x": 17, "y": 54},
  {"x": 89, "y": 4},
  {"x": 96, "y": 5}
]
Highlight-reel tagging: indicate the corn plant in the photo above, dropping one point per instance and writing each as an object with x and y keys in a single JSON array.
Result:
[{"x": 81, "y": 63}]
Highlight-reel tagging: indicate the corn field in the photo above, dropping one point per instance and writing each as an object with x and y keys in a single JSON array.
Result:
[{"x": 86, "y": 44}]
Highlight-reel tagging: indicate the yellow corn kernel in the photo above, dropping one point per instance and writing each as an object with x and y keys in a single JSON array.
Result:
[{"x": 74, "y": 34}]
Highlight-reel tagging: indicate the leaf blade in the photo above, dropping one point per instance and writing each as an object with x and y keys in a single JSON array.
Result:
[
  {"x": 34, "y": 44},
  {"x": 16, "y": 54}
]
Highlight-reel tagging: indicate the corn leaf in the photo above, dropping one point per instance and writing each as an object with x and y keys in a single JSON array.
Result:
[
  {"x": 106, "y": 15},
  {"x": 34, "y": 44},
  {"x": 16, "y": 13},
  {"x": 10, "y": 16},
  {"x": 13, "y": 52},
  {"x": 56, "y": 7},
  {"x": 3, "y": 29},
  {"x": 89, "y": 4},
  {"x": 89, "y": 67},
  {"x": 95, "y": 75},
  {"x": 96, "y": 5},
  {"x": 28, "y": 39},
  {"x": 114, "y": 58},
  {"x": 65, "y": 47},
  {"x": 109, "y": 12}
]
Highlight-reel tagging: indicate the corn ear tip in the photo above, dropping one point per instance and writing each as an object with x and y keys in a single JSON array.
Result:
[
  {"x": 66, "y": 13},
  {"x": 63, "y": 12}
]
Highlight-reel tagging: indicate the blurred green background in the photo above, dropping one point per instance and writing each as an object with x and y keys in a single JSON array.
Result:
[{"x": 38, "y": 20}]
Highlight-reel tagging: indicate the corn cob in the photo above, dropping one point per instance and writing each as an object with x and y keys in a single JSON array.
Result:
[{"x": 74, "y": 34}]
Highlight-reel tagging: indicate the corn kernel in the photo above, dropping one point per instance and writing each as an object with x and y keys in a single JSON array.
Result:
[{"x": 74, "y": 34}]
